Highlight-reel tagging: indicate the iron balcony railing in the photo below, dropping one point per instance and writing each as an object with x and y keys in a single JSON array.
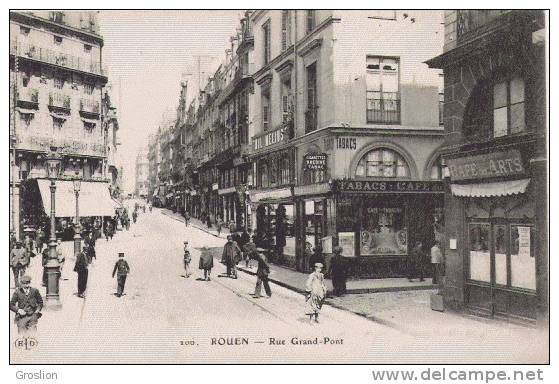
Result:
[
  {"x": 383, "y": 108},
  {"x": 89, "y": 105},
  {"x": 28, "y": 95},
  {"x": 36, "y": 52},
  {"x": 59, "y": 100}
]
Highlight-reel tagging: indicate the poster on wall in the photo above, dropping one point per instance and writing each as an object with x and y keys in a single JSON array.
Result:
[
  {"x": 326, "y": 244},
  {"x": 384, "y": 232},
  {"x": 524, "y": 241},
  {"x": 346, "y": 240}
]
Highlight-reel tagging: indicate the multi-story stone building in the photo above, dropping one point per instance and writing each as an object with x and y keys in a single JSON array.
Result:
[
  {"x": 56, "y": 91},
  {"x": 347, "y": 133},
  {"x": 142, "y": 173},
  {"x": 154, "y": 160},
  {"x": 495, "y": 123}
]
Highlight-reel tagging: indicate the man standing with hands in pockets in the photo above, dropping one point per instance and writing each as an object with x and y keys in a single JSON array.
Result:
[{"x": 121, "y": 269}]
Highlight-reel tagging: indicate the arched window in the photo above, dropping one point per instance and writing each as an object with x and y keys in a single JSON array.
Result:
[{"x": 382, "y": 162}]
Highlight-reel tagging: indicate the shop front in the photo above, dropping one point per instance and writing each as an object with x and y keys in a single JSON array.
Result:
[
  {"x": 495, "y": 234},
  {"x": 377, "y": 223}
]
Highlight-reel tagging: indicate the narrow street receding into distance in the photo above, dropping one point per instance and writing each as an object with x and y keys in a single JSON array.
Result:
[{"x": 165, "y": 318}]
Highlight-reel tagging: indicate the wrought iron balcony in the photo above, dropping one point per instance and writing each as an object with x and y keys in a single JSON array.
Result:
[
  {"x": 28, "y": 96},
  {"x": 383, "y": 109},
  {"x": 59, "y": 100},
  {"x": 89, "y": 106}
]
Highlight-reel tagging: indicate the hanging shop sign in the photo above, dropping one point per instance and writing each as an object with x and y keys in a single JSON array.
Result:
[
  {"x": 389, "y": 186},
  {"x": 495, "y": 164},
  {"x": 315, "y": 161}
]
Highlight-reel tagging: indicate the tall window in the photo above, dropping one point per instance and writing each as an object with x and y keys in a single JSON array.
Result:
[
  {"x": 383, "y": 99},
  {"x": 441, "y": 99},
  {"x": 285, "y": 99},
  {"x": 266, "y": 33},
  {"x": 285, "y": 30},
  {"x": 266, "y": 110},
  {"x": 508, "y": 107},
  {"x": 312, "y": 99},
  {"x": 58, "y": 83},
  {"x": 382, "y": 162},
  {"x": 311, "y": 20},
  {"x": 88, "y": 89}
]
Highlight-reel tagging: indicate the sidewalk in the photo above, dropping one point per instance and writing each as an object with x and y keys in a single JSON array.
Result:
[
  {"x": 197, "y": 223},
  {"x": 296, "y": 281}
]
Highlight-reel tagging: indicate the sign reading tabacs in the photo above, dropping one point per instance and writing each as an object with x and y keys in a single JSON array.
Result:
[{"x": 496, "y": 164}]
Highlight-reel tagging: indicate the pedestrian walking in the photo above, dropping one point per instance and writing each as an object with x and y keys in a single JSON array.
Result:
[
  {"x": 39, "y": 240},
  {"x": 262, "y": 274},
  {"x": 316, "y": 292},
  {"x": 187, "y": 258},
  {"x": 121, "y": 269},
  {"x": 134, "y": 216},
  {"x": 338, "y": 271},
  {"x": 81, "y": 267},
  {"x": 231, "y": 256},
  {"x": 13, "y": 240},
  {"x": 206, "y": 262},
  {"x": 218, "y": 225},
  {"x": 60, "y": 255},
  {"x": 232, "y": 227},
  {"x": 244, "y": 239},
  {"x": 89, "y": 243},
  {"x": 415, "y": 262},
  {"x": 27, "y": 304},
  {"x": 307, "y": 253},
  {"x": 436, "y": 259},
  {"x": 44, "y": 262},
  {"x": 28, "y": 245},
  {"x": 18, "y": 261}
]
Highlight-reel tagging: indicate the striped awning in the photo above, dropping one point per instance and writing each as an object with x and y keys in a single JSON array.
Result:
[{"x": 502, "y": 188}]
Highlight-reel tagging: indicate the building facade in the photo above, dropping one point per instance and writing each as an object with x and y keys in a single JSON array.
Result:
[
  {"x": 56, "y": 102},
  {"x": 347, "y": 133},
  {"x": 495, "y": 149},
  {"x": 142, "y": 174}
]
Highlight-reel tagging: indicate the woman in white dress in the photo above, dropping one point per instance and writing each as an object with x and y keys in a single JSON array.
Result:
[{"x": 316, "y": 291}]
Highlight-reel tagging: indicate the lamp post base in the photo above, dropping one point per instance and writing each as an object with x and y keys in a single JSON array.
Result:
[
  {"x": 52, "y": 303},
  {"x": 52, "y": 267},
  {"x": 77, "y": 244}
]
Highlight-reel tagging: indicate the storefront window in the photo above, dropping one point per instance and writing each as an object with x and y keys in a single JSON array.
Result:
[
  {"x": 384, "y": 231},
  {"x": 499, "y": 234},
  {"x": 523, "y": 262},
  {"x": 480, "y": 259}
]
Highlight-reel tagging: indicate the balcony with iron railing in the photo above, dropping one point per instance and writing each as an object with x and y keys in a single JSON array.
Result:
[
  {"x": 59, "y": 100},
  {"x": 383, "y": 108},
  {"x": 470, "y": 20},
  {"x": 46, "y": 55},
  {"x": 28, "y": 97},
  {"x": 90, "y": 106}
]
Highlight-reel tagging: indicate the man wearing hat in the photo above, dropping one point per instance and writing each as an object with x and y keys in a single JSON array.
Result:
[
  {"x": 82, "y": 263},
  {"x": 27, "y": 303},
  {"x": 121, "y": 269},
  {"x": 19, "y": 260}
]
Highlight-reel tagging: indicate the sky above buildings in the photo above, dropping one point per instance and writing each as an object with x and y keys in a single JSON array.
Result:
[{"x": 147, "y": 54}]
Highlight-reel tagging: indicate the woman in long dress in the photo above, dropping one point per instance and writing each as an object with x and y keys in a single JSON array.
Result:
[{"x": 316, "y": 291}]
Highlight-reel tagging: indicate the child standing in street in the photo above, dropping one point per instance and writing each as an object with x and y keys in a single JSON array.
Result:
[
  {"x": 206, "y": 262},
  {"x": 316, "y": 291},
  {"x": 121, "y": 269},
  {"x": 186, "y": 259}
]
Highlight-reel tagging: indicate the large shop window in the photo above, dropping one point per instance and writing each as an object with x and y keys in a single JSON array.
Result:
[
  {"x": 384, "y": 231},
  {"x": 511, "y": 248},
  {"x": 382, "y": 162}
]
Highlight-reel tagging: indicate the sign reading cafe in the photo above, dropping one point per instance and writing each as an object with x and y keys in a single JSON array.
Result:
[
  {"x": 496, "y": 164},
  {"x": 358, "y": 186}
]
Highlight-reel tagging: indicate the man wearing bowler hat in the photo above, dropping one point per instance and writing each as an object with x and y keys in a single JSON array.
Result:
[
  {"x": 27, "y": 303},
  {"x": 121, "y": 269}
]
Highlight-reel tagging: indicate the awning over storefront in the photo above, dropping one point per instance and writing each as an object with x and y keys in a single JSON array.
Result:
[
  {"x": 503, "y": 188},
  {"x": 94, "y": 198}
]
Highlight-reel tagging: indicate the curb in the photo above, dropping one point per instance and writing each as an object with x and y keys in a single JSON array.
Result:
[{"x": 164, "y": 211}]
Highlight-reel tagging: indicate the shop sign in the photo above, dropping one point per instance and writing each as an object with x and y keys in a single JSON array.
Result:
[
  {"x": 346, "y": 143},
  {"x": 524, "y": 241},
  {"x": 496, "y": 164},
  {"x": 315, "y": 162},
  {"x": 64, "y": 145},
  {"x": 270, "y": 138},
  {"x": 346, "y": 240},
  {"x": 389, "y": 186},
  {"x": 271, "y": 194}
]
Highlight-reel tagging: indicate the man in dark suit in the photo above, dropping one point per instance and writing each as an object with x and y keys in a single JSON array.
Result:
[
  {"x": 121, "y": 269},
  {"x": 82, "y": 263},
  {"x": 262, "y": 276},
  {"x": 27, "y": 303},
  {"x": 231, "y": 256}
]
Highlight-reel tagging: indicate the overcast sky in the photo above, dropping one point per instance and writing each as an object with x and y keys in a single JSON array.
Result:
[{"x": 148, "y": 53}]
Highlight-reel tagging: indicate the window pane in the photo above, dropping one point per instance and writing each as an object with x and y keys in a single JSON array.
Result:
[
  {"x": 373, "y": 63},
  {"x": 373, "y": 81},
  {"x": 500, "y": 254},
  {"x": 517, "y": 123},
  {"x": 499, "y": 95},
  {"x": 516, "y": 90},
  {"x": 373, "y": 169},
  {"x": 360, "y": 169},
  {"x": 390, "y": 82},
  {"x": 402, "y": 169},
  {"x": 374, "y": 156},
  {"x": 480, "y": 265},
  {"x": 500, "y": 122},
  {"x": 522, "y": 260}
]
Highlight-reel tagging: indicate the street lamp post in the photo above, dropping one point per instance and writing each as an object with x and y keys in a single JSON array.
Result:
[
  {"x": 53, "y": 161},
  {"x": 77, "y": 235}
]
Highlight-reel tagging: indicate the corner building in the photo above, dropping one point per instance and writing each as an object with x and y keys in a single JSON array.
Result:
[
  {"x": 495, "y": 150},
  {"x": 347, "y": 124}
]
